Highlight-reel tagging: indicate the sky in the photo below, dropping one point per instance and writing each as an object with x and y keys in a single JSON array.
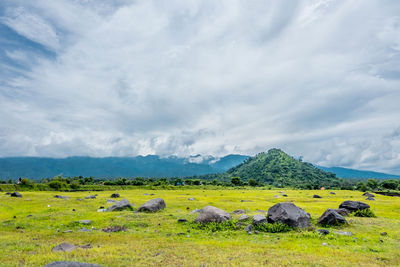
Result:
[{"x": 318, "y": 79}]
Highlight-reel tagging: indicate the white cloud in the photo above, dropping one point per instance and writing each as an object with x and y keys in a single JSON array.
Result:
[{"x": 211, "y": 77}]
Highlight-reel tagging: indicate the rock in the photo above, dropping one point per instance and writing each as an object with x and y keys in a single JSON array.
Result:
[
  {"x": 87, "y": 222},
  {"x": 331, "y": 217},
  {"x": 239, "y": 211},
  {"x": 111, "y": 201},
  {"x": 244, "y": 200},
  {"x": 259, "y": 219},
  {"x": 84, "y": 230},
  {"x": 101, "y": 207},
  {"x": 8, "y": 193},
  {"x": 212, "y": 214},
  {"x": 71, "y": 264},
  {"x": 353, "y": 205},
  {"x": 145, "y": 194},
  {"x": 342, "y": 212},
  {"x": 30, "y": 215},
  {"x": 66, "y": 247},
  {"x": 324, "y": 244},
  {"x": 249, "y": 228},
  {"x": 370, "y": 198},
  {"x": 383, "y": 233},
  {"x": 276, "y": 196},
  {"x": 91, "y": 197},
  {"x": 115, "y": 195},
  {"x": 15, "y": 194},
  {"x": 316, "y": 196},
  {"x": 182, "y": 220},
  {"x": 323, "y": 231},
  {"x": 121, "y": 205},
  {"x": 87, "y": 246},
  {"x": 344, "y": 233},
  {"x": 284, "y": 195},
  {"x": 332, "y": 193},
  {"x": 67, "y": 231},
  {"x": 191, "y": 198},
  {"x": 195, "y": 211},
  {"x": 61, "y": 197},
  {"x": 153, "y": 205},
  {"x": 117, "y": 228},
  {"x": 289, "y": 214},
  {"x": 262, "y": 211},
  {"x": 244, "y": 217},
  {"x": 366, "y": 194}
]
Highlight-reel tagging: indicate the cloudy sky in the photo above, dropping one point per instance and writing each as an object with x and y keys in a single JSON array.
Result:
[{"x": 318, "y": 79}]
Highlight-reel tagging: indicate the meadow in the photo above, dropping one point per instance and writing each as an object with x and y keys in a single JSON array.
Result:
[{"x": 158, "y": 239}]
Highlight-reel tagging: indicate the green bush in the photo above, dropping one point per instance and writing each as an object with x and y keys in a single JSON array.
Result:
[
  {"x": 364, "y": 213},
  {"x": 272, "y": 227},
  {"x": 214, "y": 226}
]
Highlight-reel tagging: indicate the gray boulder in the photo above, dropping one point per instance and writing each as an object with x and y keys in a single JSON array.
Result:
[
  {"x": 121, "y": 205},
  {"x": 244, "y": 217},
  {"x": 342, "y": 212},
  {"x": 259, "y": 219},
  {"x": 61, "y": 197},
  {"x": 212, "y": 214},
  {"x": 66, "y": 247},
  {"x": 366, "y": 194},
  {"x": 289, "y": 214},
  {"x": 331, "y": 217},
  {"x": 353, "y": 205},
  {"x": 71, "y": 264},
  {"x": 15, "y": 194},
  {"x": 153, "y": 205}
]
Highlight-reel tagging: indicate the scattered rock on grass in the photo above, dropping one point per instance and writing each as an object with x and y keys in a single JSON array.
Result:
[
  {"x": 331, "y": 217},
  {"x": 153, "y": 205},
  {"x": 344, "y": 233},
  {"x": 212, "y": 214},
  {"x": 284, "y": 195},
  {"x": 316, "y": 196},
  {"x": 15, "y": 194},
  {"x": 342, "y": 212},
  {"x": 71, "y": 264},
  {"x": 239, "y": 211},
  {"x": 91, "y": 197},
  {"x": 383, "y": 233},
  {"x": 332, "y": 193},
  {"x": 61, "y": 197},
  {"x": 87, "y": 222},
  {"x": 370, "y": 198},
  {"x": 366, "y": 194},
  {"x": 323, "y": 231},
  {"x": 259, "y": 219},
  {"x": 116, "y": 228},
  {"x": 353, "y": 205},
  {"x": 249, "y": 228},
  {"x": 289, "y": 214},
  {"x": 66, "y": 247},
  {"x": 191, "y": 198},
  {"x": 121, "y": 205},
  {"x": 182, "y": 220},
  {"x": 84, "y": 230},
  {"x": 115, "y": 195},
  {"x": 244, "y": 217}
]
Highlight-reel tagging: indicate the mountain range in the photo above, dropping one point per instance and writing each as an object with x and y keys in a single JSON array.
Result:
[{"x": 156, "y": 166}]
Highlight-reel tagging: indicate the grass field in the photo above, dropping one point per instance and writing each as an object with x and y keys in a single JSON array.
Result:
[{"x": 159, "y": 240}]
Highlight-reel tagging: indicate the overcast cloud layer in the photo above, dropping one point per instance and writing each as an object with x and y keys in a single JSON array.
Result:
[{"x": 319, "y": 79}]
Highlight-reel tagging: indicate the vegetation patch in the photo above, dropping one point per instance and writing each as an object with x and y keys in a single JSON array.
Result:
[
  {"x": 273, "y": 227},
  {"x": 364, "y": 213},
  {"x": 215, "y": 226}
]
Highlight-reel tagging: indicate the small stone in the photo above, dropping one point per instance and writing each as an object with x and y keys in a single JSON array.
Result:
[
  {"x": 370, "y": 198},
  {"x": 182, "y": 220},
  {"x": 239, "y": 212},
  {"x": 191, "y": 198},
  {"x": 30, "y": 215},
  {"x": 15, "y": 194},
  {"x": 87, "y": 246},
  {"x": 84, "y": 230},
  {"x": 67, "y": 231},
  {"x": 323, "y": 231},
  {"x": 195, "y": 211},
  {"x": 284, "y": 195},
  {"x": 91, "y": 197},
  {"x": 259, "y": 219},
  {"x": 332, "y": 193},
  {"x": 70, "y": 264},
  {"x": 324, "y": 244},
  {"x": 344, "y": 233},
  {"x": 61, "y": 197},
  {"x": 316, "y": 196},
  {"x": 87, "y": 222},
  {"x": 115, "y": 195},
  {"x": 383, "y": 233},
  {"x": 249, "y": 228},
  {"x": 66, "y": 247},
  {"x": 244, "y": 217}
]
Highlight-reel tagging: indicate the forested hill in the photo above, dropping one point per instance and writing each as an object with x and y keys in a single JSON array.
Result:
[{"x": 278, "y": 168}]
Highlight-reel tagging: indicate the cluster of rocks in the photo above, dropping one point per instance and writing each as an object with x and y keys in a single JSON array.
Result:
[
  {"x": 369, "y": 196},
  {"x": 153, "y": 205}
]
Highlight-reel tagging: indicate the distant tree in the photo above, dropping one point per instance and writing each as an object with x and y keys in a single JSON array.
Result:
[
  {"x": 361, "y": 186},
  {"x": 389, "y": 184},
  {"x": 372, "y": 184},
  {"x": 25, "y": 182},
  {"x": 196, "y": 182},
  {"x": 253, "y": 182},
  {"x": 236, "y": 181},
  {"x": 75, "y": 185},
  {"x": 57, "y": 184}
]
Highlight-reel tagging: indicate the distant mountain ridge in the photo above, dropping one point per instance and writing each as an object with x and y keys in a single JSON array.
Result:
[
  {"x": 114, "y": 167},
  {"x": 352, "y": 173}
]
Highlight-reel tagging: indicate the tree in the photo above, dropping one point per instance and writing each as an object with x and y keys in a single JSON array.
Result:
[
  {"x": 26, "y": 182},
  {"x": 389, "y": 184},
  {"x": 236, "y": 181},
  {"x": 253, "y": 182},
  {"x": 372, "y": 184}
]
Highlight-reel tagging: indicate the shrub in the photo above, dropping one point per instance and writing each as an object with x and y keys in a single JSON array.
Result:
[
  {"x": 214, "y": 226},
  {"x": 273, "y": 227},
  {"x": 364, "y": 213},
  {"x": 57, "y": 185}
]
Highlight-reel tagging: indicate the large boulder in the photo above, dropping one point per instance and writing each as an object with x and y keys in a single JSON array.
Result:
[
  {"x": 259, "y": 219},
  {"x": 342, "y": 212},
  {"x": 71, "y": 264},
  {"x": 121, "y": 205},
  {"x": 15, "y": 194},
  {"x": 153, "y": 205},
  {"x": 353, "y": 205},
  {"x": 289, "y": 214},
  {"x": 212, "y": 214},
  {"x": 331, "y": 217}
]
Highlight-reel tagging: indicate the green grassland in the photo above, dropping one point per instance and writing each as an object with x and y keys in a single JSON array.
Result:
[{"x": 159, "y": 240}]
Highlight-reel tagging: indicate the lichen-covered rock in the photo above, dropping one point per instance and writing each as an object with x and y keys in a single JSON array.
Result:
[
  {"x": 153, "y": 205},
  {"x": 289, "y": 214},
  {"x": 212, "y": 214}
]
